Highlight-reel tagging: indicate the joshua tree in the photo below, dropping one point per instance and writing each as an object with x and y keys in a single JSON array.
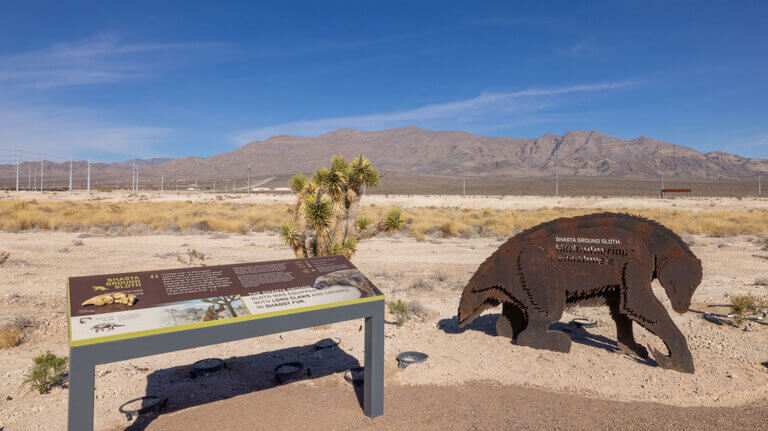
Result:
[
  {"x": 224, "y": 301},
  {"x": 324, "y": 221}
]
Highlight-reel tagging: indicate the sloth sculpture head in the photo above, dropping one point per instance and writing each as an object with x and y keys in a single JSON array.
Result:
[{"x": 680, "y": 276}]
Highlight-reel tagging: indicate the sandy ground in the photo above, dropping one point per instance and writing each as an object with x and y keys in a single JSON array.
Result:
[
  {"x": 410, "y": 201},
  {"x": 475, "y": 406},
  {"x": 728, "y": 360}
]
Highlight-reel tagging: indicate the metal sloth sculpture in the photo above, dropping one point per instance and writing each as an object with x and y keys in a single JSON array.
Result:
[{"x": 610, "y": 257}]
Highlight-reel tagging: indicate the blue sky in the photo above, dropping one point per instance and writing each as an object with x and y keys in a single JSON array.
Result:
[{"x": 117, "y": 80}]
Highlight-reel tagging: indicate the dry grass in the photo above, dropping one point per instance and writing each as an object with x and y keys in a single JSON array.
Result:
[
  {"x": 159, "y": 216},
  {"x": 10, "y": 336},
  {"x": 239, "y": 218}
]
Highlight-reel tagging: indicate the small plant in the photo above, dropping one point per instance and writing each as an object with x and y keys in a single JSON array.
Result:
[
  {"x": 441, "y": 276},
  {"x": 421, "y": 284},
  {"x": 763, "y": 281},
  {"x": 416, "y": 308},
  {"x": 399, "y": 309},
  {"x": 10, "y": 336},
  {"x": 742, "y": 304},
  {"x": 46, "y": 372},
  {"x": 4, "y": 255},
  {"x": 192, "y": 257},
  {"x": 104, "y": 189}
]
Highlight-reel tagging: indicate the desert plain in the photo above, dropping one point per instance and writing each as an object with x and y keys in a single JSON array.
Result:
[{"x": 472, "y": 379}]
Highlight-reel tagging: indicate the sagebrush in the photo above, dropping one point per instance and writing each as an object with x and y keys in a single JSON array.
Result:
[
  {"x": 192, "y": 257},
  {"x": 47, "y": 371},
  {"x": 399, "y": 309}
]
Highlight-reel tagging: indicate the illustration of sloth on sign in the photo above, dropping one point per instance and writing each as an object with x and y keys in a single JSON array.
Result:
[
  {"x": 607, "y": 256},
  {"x": 350, "y": 279}
]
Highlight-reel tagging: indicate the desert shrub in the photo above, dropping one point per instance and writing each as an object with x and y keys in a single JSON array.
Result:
[
  {"x": 10, "y": 336},
  {"x": 441, "y": 276},
  {"x": 421, "y": 284},
  {"x": 47, "y": 371},
  {"x": 416, "y": 308},
  {"x": 192, "y": 257},
  {"x": 742, "y": 304},
  {"x": 762, "y": 281},
  {"x": 399, "y": 309},
  {"x": 4, "y": 255},
  {"x": 105, "y": 189}
]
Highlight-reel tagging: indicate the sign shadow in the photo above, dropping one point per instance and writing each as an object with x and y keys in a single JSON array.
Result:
[{"x": 182, "y": 387}]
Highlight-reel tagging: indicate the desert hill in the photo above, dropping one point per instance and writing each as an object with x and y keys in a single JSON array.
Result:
[
  {"x": 415, "y": 150},
  {"x": 411, "y": 150}
]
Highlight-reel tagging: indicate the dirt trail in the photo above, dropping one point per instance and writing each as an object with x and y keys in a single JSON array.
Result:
[{"x": 475, "y": 406}]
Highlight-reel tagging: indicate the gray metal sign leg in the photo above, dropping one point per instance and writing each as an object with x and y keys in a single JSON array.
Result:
[
  {"x": 81, "y": 391},
  {"x": 373, "y": 385}
]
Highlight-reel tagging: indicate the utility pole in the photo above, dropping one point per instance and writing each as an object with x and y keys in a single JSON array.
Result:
[
  {"x": 196, "y": 189},
  {"x": 249, "y": 180},
  {"x": 662, "y": 181},
  {"x": 557, "y": 184},
  {"x": 29, "y": 181},
  {"x": 89, "y": 176},
  {"x": 464, "y": 184},
  {"x": 137, "y": 177},
  {"x": 35, "y": 179},
  {"x": 162, "y": 183},
  {"x": 17, "y": 169},
  {"x": 70, "y": 175},
  {"x": 42, "y": 161},
  {"x": 214, "y": 187},
  {"x": 759, "y": 185}
]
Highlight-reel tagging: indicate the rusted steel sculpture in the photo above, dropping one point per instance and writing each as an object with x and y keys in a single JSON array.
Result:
[{"x": 607, "y": 256}]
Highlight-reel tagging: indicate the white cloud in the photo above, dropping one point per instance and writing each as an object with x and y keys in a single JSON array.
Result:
[
  {"x": 95, "y": 61},
  {"x": 65, "y": 132},
  {"x": 583, "y": 48},
  {"x": 505, "y": 107}
]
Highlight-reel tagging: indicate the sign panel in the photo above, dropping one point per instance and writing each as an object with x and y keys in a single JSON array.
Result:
[{"x": 118, "y": 306}]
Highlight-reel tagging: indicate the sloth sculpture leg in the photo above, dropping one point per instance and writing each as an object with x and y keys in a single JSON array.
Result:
[
  {"x": 511, "y": 322},
  {"x": 542, "y": 299},
  {"x": 643, "y": 307}
]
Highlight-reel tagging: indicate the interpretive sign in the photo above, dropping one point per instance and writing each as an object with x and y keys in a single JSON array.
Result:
[
  {"x": 122, "y": 316},
  {"x": 118, "y": 306},
  {"x": 605, "y": 257}
]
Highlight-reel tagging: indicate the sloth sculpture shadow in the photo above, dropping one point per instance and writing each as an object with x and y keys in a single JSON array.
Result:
[
  {"x": 487, "y": 325},
  {"x": 242, "y": 375}
]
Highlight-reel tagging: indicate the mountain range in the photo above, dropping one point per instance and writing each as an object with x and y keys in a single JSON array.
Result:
[
  {"x": 415, "y": 150},
  {"x": 411, "y": 150}
]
